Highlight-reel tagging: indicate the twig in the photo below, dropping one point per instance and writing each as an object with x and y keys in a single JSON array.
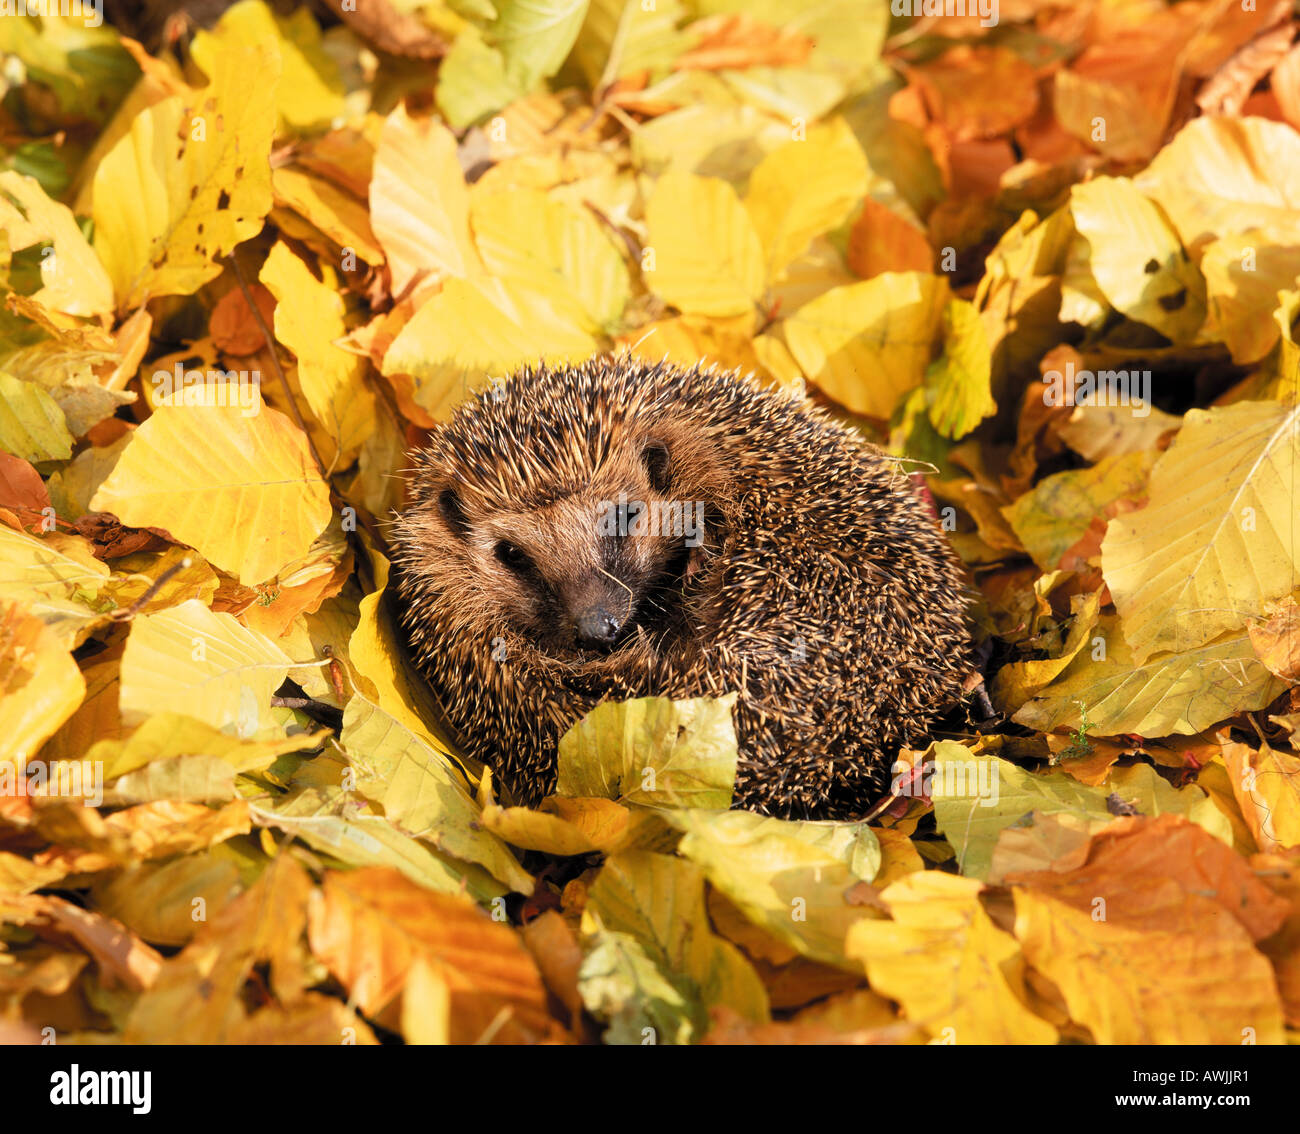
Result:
[
  {"x": 275, "y": 364},
  {"x": 154, "y": 587}
]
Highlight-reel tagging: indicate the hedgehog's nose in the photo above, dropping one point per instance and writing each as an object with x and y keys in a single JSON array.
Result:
[{"x": 597, "y": 627}]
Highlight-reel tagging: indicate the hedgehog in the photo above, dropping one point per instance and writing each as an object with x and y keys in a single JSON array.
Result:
[{"x": 621, "y": 528}]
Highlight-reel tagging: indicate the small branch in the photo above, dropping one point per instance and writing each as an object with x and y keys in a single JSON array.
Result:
[
  {"x": 275, "y": 364},
  {"x": 157, "y": 585}
]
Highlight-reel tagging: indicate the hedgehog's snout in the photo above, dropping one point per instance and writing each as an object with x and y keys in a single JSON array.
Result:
[
  {"x": 597, "y": 628},
  {"x": 600, "y": 610}
]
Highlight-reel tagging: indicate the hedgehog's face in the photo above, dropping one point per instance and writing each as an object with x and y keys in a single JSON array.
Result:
[{"x": 600, "y": 565}]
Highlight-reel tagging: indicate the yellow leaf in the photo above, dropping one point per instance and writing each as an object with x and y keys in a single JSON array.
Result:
[
  {"x": 619, "y": 37},
  {"x": 957, "y": 383},
  {"x": 419, "y": 205},
  {"x": 40, "y": 684},
  {"x": 1056, "y": 513},
  {"x": 790, "y": 878},
  {"x": 326, "y": 819},
  {"x": 67, "y": 374},
  {"x": 803, "y": 189},
  {"x": 1136, "y": 258},
  {"x": 309, "y": 94},
  {"x": 31, "y": 424},
  {"x": 242, "y": 490},
  {"x": 942, "y": 958},
  {"x": 1017, "y": 682},
  {"x": 167, "y": 735},
  {"x": 265, "y": 924},
  {"x": 1243, "y": 274},
  {"x": 309, "y": 318},
  {"x": 711, "y": 140},
  {"x": 707, "y": 258},
  {"x": 652, "y": 751},
  {"x": 1222, "y": 175},
  {"x": 658, "y": 902},
  {"x": 1277, "y": 639},
  {"x": 337, "y": 214},
  {"x": 57, "y": 579},
  {"x": 688, "y": 339},
  {"x": 539, "y": 831},
  {"x": 538, "y": 242},
  {"x": 189, "y": 182},
  {"x": 426, "y": 1006},
  {"x": 1168, "y": 693},
  {"x": 867, "y": 344},
  {"x": 1218, "y": 537},
  {"x": 422, "y": 792},
  {"x": 204, "y": 665},
  {"x": 1266, "y": 784},
  {"x": 157, "y": 900},
  {"x": 977, "y": 797},
  {"x": 73, "y": 280},
  {"x": 473, "y": 328},
  {"x": 383, "y": 672}
]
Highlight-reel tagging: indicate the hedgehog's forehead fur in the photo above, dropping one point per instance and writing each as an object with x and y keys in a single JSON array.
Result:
[{"x": 544, "y": 435}]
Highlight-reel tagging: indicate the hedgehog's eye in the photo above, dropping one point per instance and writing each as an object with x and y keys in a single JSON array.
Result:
[
  {"x": 511, "y": 556},
  {"x": 655, "y": 458},
  {"x": 453, "y": 512}
]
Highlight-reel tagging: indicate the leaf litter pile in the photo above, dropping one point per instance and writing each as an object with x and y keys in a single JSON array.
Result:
[{"x": 1051, "y": 260}]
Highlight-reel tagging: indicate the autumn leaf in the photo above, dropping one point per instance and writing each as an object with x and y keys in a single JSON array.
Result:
[
  {"x": 652, "y": 751},
  {"x": 251, "y": 263},
  {"x": 868, "y": 343},
  {"x": 419, "y": 204},
  {"x": 189, "y": 181},
  {"x": 309, "y": 318},
  {"x": 707, "y": 256},
  {"x": 40, "y": 684},
  {"x": 646, "y": 915},
  {"x": 371, "y": 925},
  {"x": 1212, "y": 545},
  {"x": 954, "y": 972},
  {"x": 1177, "y": 928},
  {"x": 260, "y": 501}
]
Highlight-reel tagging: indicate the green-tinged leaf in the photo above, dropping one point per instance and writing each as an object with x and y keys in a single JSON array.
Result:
[
  {"x": 790, "y": 878},
  {"x": 957, "y": 382},
  {"x": 420, "y": 791},
  {"x": 328, "y": 820},
  {"x": 31, "y": 424},
  {"x": 976, "y": 797},
  {"x": 652, "y": 751},
  {"x": 1168, "y": 694},
  {"x": 658, "y": 902}
]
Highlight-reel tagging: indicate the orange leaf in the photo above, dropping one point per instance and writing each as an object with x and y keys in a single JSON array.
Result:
[{"x": 369, "y": 925}]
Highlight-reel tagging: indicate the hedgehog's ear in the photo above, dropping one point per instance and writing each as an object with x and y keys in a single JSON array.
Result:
[
  {"x": 655, "y": 457},
  {"x": 453, "y": 511}
]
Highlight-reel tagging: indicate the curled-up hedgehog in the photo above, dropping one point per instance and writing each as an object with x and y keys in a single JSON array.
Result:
[{"x": 624, "y": 529}]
